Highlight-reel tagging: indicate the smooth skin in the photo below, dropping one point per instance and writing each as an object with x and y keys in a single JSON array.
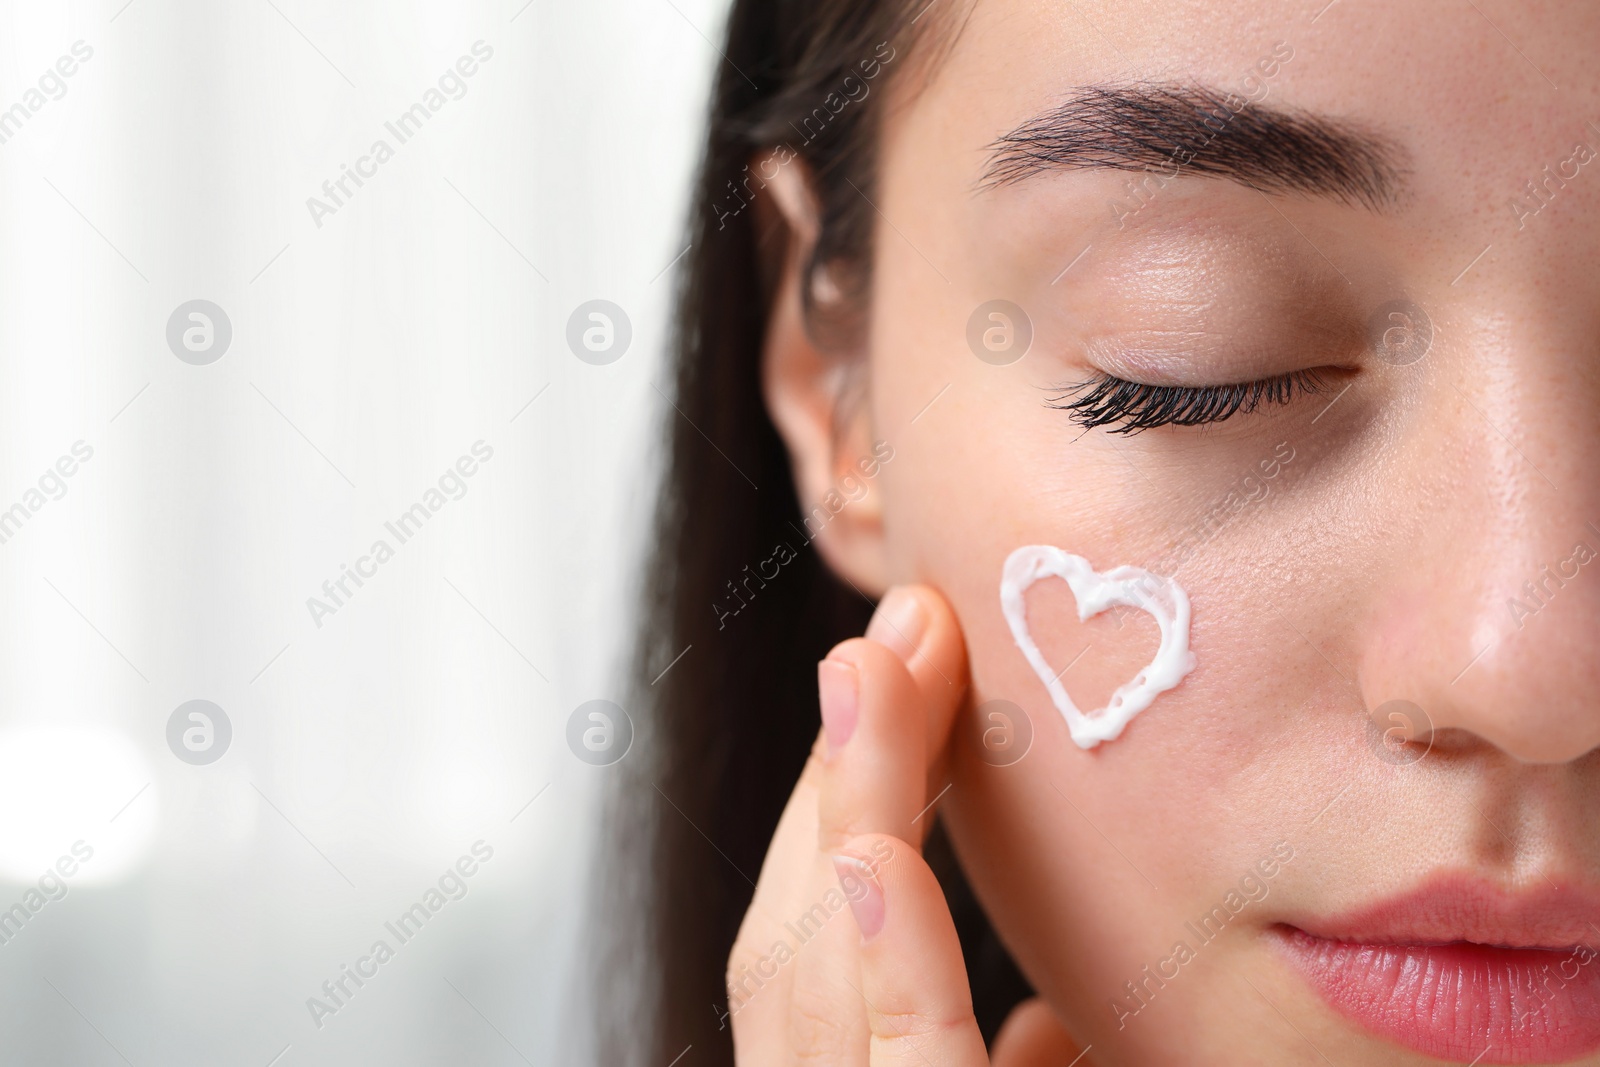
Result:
[
  {"x": 1379, "y": 563},
  {"x": 898, "y": 998}
]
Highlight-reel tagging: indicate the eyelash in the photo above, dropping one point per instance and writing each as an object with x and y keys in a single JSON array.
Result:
[{"x": 1130, "y": 407}]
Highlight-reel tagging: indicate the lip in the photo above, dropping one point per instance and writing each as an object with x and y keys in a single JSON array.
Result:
[{"x": 1463, "y": 970}]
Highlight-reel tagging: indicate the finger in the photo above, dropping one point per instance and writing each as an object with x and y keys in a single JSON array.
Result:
[
  {"x": 917, "y": 624},
  {"x": 758, "y": 986},
  {"x": 871, "y": 775},
  {"x": 887, "y": 712},
  {"x": 1033, "y": 1037},
  {"x": 913, "y": 978},
  {"x": 875, "y": 774},
  {"x": 792, "y": 851},
  {"x": 871, "y": 778},
  {"x": 896, "y": 700},
  {"x": 775, "y": 1013}
]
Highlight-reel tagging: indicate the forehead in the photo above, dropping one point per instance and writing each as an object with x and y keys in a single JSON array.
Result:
[{"x": 1489, "y": 89}]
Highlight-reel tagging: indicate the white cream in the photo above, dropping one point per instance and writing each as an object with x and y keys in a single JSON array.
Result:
[{"x": 1132, "y": 587}]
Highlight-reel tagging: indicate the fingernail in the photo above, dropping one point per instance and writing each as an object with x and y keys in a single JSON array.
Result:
[
  {"x": 866, "y": 899},
  {"x": 839, "y": 691},
  {"x": 899, "y": 622}
]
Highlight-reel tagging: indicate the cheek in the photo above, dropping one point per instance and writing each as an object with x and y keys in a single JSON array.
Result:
[
  {"x": 1067, "y": 847},
  {"x": 1047, "y": 881},
  {"x": 1089, "y": 863}
]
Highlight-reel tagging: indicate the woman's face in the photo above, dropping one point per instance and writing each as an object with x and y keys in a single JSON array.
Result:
[{"x": 1407, "y": 529}]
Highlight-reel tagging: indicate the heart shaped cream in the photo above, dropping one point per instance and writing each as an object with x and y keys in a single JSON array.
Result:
[{"x": 1132, "y": 587}]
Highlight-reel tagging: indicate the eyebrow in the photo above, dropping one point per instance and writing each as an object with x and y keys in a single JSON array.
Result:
[{"x": 1195, "y": 129}]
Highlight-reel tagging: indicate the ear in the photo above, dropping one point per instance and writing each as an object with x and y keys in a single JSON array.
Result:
[{"x": 817, "y": 397}]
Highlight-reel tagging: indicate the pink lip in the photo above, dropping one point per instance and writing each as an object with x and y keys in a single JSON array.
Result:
[{"x": 1463, "y": 970}]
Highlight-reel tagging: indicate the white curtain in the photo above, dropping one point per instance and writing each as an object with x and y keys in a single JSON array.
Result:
[{"x": 242, "y": 346}]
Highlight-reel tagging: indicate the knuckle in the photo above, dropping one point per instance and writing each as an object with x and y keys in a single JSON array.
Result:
[
  {"x": 908, "y": 1031},
  {"x": 742, "y": 961},
  {"x": 818, "y": 1031}
]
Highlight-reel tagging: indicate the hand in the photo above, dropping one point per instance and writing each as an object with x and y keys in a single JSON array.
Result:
[{"x": 848, "y": 954}]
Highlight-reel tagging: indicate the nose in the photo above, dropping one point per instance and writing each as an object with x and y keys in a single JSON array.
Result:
[{"x": 1491, "y": 612}]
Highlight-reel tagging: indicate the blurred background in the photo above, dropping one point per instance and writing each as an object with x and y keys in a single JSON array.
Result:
[{"x": 323, "y": 485}]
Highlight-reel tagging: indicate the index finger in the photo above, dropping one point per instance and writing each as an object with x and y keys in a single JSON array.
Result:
[{"x": 889, "y": 702}]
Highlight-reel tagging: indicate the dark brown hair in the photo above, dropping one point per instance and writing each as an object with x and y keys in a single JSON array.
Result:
[{"x": 723, "y": 734}]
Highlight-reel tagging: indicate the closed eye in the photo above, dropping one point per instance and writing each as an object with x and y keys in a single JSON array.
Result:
[{"x": 1130, "y": 407}]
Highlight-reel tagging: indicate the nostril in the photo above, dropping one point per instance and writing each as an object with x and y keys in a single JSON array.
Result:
[
  {"x": 1451, "y": 741},
  {"x": 1400, "y": 732}
]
